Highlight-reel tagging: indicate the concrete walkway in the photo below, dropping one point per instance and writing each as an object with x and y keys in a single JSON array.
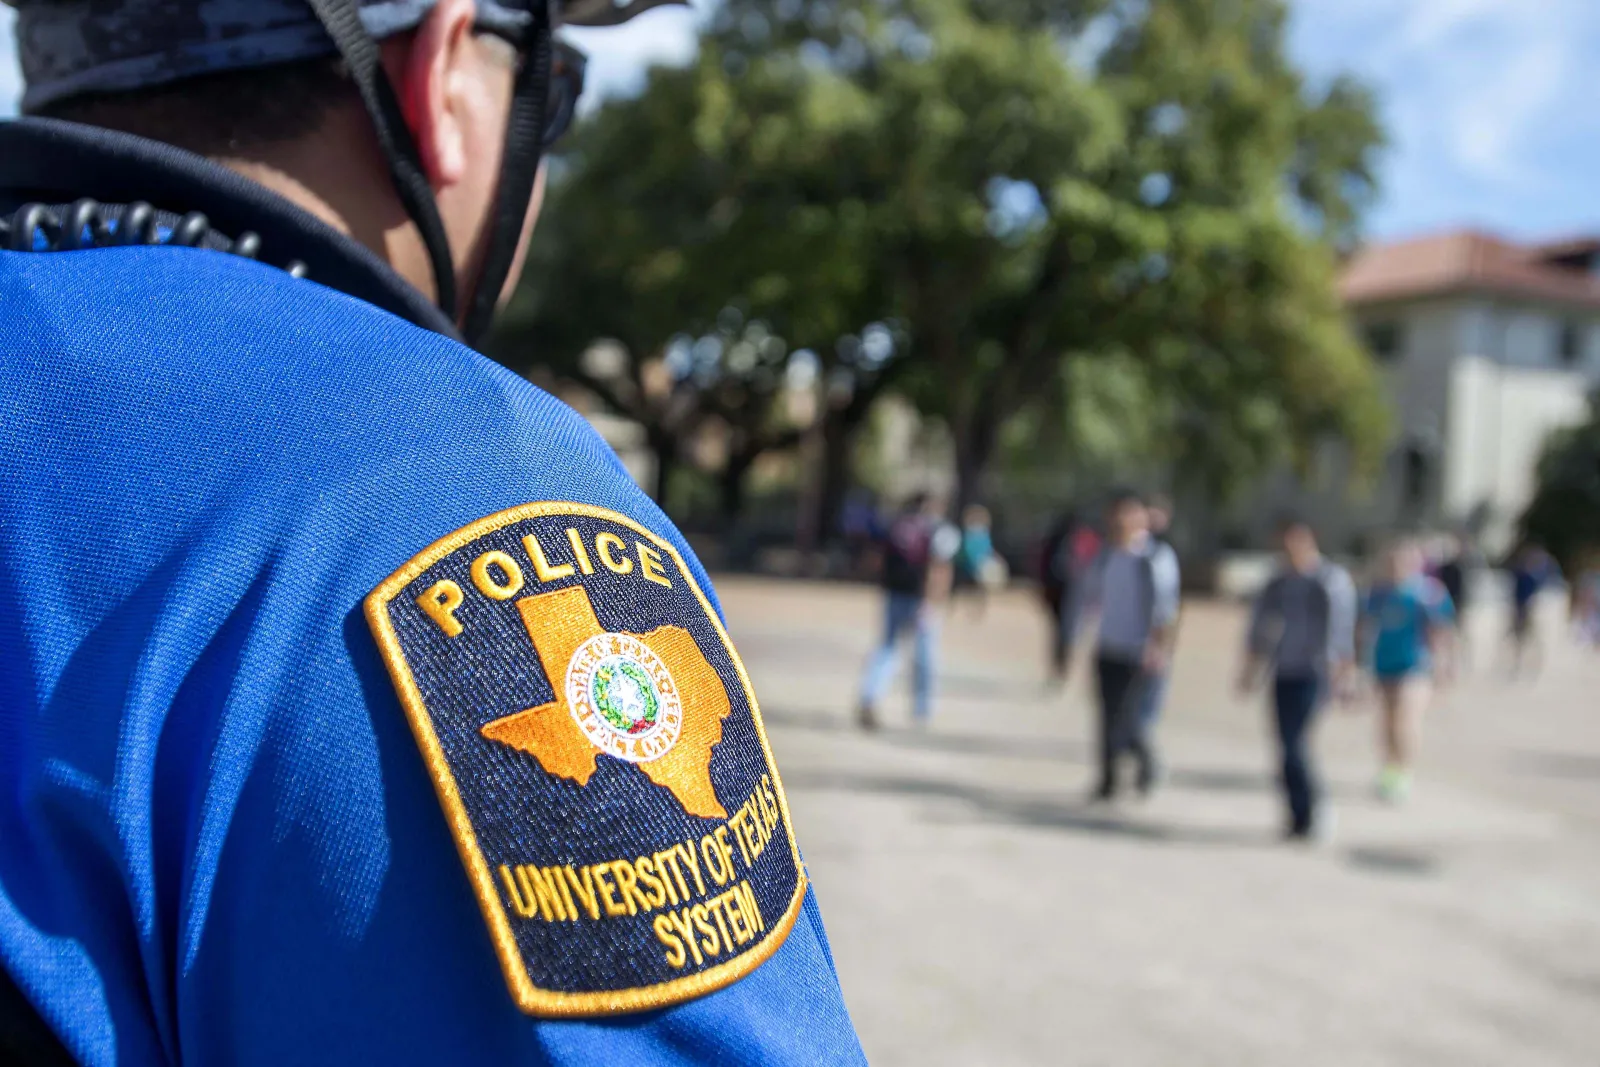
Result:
[{"x": 981, "y": 913}]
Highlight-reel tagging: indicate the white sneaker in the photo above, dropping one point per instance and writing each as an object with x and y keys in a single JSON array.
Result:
[{"x": 1324, "y": 826}]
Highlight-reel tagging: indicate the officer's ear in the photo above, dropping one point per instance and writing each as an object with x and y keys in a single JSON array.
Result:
[{"x": 436, "y": 71}]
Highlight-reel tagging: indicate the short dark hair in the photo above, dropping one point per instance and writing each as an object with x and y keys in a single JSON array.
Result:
[
  {"x": 227, "y": 113},
  {"x": 1124, "y": 496},
  {"x": 1292, "y": 520}
]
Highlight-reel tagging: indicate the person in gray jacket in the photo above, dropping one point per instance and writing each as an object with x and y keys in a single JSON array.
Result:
[
  {"x": 1134, "y": 586},
  {"x": 1303, "y": 629}
]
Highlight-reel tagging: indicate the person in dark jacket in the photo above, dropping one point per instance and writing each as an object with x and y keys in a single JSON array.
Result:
[
  {"x": 1132, "y": 585},
  {"x": 1056, "y": 568},
  {"x": 918, "y": 555},
  {"x": 1302, "y": 631}
]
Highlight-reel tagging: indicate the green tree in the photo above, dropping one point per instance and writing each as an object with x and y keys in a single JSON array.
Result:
[
  {"x": 1565, "y": 513},
  {"x": 1002, "y": 187},
  {"x": 704, "y": 228},
  {"x": 1183, "y": 248},
  {"x": 946, "y": 111},
  {"x": 1176, "y": 198}
]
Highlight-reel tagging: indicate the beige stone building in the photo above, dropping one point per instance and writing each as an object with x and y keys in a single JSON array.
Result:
[{"x": 1486, "y": 347}]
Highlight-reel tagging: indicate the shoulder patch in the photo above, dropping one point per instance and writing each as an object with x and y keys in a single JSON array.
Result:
[{"x": 600, "y": 757}]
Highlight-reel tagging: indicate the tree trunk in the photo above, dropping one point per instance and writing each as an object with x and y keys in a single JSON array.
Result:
[
  {"x": 975, "y": 444},
  {"x": 737, "y": 543},
  {"x": 832, "y": 446},
  {"x": 808, "y": 460},
  {"x": 731, "y": 487},
  {"x": 838, "y": 434},
  {"x": 665, "y": 449}
]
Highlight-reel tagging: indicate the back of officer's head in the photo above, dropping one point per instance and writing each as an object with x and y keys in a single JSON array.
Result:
[{"x": 256, "y": 84}]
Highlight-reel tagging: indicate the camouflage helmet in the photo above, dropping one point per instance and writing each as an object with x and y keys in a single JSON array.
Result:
[
  {"x": 70, "y": 47},
  {"x": 73, "y": 47}
]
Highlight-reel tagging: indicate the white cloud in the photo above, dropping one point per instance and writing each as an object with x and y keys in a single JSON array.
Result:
[
  {"x": 1426, "y": 23},
  {"x": 1491, "y": 123},
  {"x": 1472, "y": 79},
  {"x": 620, "y": 55},
  {"x": 1488, "y": 103},
  {"x": 10, "y": 73}
]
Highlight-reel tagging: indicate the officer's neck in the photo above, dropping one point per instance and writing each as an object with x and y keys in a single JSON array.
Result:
[{"x": 338, "y": 175}]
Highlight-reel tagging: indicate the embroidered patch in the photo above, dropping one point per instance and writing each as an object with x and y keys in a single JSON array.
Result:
[{"x": 599, "y": 754}]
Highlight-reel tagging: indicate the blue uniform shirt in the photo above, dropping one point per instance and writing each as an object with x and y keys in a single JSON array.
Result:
[{"x": 219, "y": 842}]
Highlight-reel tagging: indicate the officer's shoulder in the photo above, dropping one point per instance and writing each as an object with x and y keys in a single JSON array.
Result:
[{"x": 306, "y": 365}]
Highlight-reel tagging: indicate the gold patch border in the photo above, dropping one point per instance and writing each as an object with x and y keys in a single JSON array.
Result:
[{"x": 546, "y": 1003}]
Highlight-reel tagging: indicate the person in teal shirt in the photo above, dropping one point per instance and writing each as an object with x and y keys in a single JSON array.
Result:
[
  {"x": 1408, "y": 622},
  {"x": 975, "y": 559}
]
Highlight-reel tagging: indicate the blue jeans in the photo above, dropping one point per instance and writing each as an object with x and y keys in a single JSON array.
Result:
[
  {"x": 903, "y": 611},
  {"x": 1121, "y": 688},
  {"x": 1296, "y": 701},
  {"x": 1150, "y": 701}
]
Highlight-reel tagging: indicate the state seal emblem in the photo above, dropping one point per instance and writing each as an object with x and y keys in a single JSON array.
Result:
[
  {"x": 599, "y": 755},
  {"x": 623, "y": 698}
]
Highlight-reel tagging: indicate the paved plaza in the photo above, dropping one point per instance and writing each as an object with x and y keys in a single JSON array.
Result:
[{"x": 982, "y": 914}]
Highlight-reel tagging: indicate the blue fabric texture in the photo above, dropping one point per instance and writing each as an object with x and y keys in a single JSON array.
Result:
[{"x": 218, "y": 841}]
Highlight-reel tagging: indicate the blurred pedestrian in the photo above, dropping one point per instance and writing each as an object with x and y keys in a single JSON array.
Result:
[
  {"x": 1066, "y": 551},
  {"x": 1055, "y": 569},
  {"x": 1586, "y": 600},
  {"x": 918, "y": 553},
  {"x": 1407, "y": 624},
  {"x": 976, "y": 558},
  {"x": 859, "y": 523},
  {"x": 1133, "y": 586},
  {"x": 1532, "y": 569},
  {"x": 1302, "y": 628},
  {"x": 1155, "y": 689},
  {"x": 1457, "y": 565},
  {"x": 1160, "y": 510}
]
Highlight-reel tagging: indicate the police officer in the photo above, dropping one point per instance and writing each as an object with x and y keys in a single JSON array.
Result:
[{"x": 355, "y": 707}]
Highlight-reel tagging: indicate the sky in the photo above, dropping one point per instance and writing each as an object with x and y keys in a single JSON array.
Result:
[{"x": 1492, "y": 106}]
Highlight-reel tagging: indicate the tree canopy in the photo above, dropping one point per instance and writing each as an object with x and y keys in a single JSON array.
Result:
[
  {"x": 963, "y": 200},
  {"x": 1565, "y": 513}
]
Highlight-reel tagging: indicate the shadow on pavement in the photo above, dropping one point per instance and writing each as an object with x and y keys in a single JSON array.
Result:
[
  {"x": 1570, "y": 765},
  {"x": 1201, "y": 779},
  {"x": 1017, "y": 687},
  {"x": 998, "y": 806},
  {"x": 1394, "y": 861},
  {"x": 1048, "y": 748},
  {"x": 1218, "y": 780}
]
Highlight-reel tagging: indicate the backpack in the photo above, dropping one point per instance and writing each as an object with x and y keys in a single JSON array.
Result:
[{"x": 906, "y": 552}]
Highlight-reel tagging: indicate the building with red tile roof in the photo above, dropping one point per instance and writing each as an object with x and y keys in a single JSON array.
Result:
[{"x": 1486, "y": 346}]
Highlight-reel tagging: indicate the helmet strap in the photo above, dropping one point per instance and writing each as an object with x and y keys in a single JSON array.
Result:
[
  {"x": 342, "y": 20},
  {"x": 519, "y": 168}
]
